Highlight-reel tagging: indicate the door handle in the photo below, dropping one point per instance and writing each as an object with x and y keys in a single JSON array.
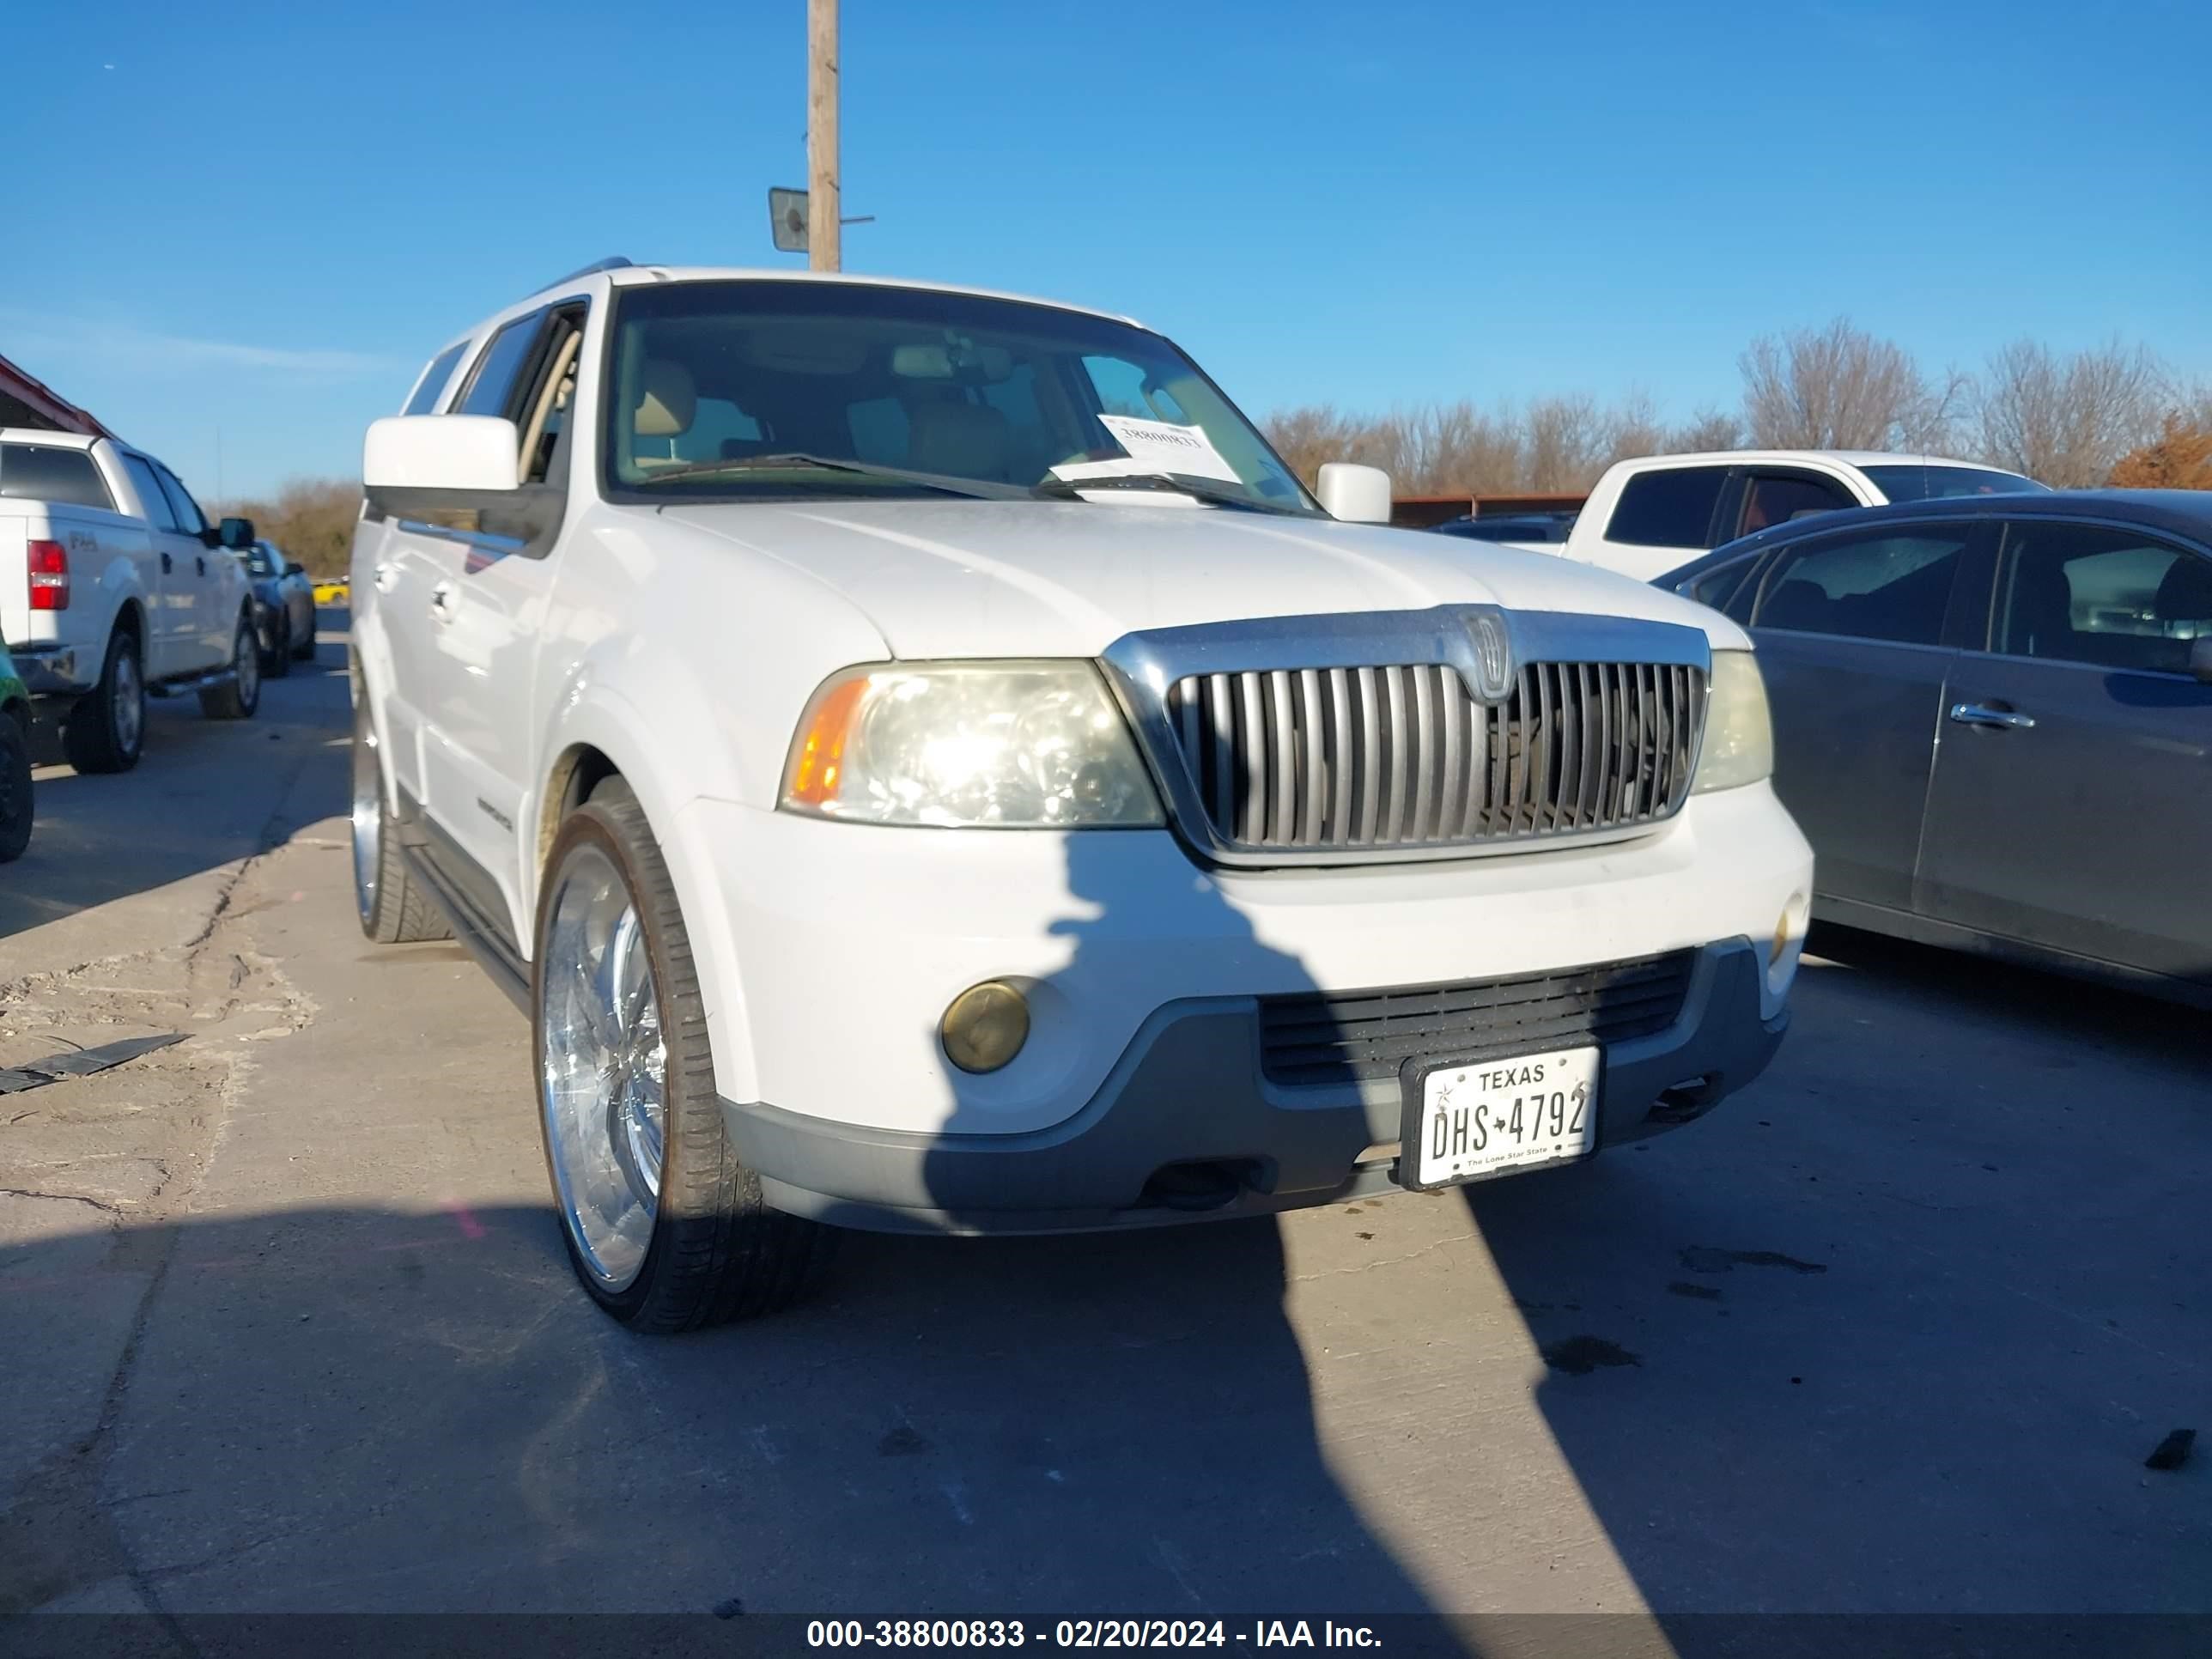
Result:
[
  {"x": 199, "y": 562},
  {"x": 1978, "y": 714},
  {"x": 441, "y": 603},
  {"x": 384, "y": 577},
  {"x": 165, "y": 564}
]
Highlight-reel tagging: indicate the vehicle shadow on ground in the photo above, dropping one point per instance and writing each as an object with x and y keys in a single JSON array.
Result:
[
  {"x": 201, "y": 795},
  {"x": 1151, "y": 1374},
  {"x": 1100, "y": 1427},
  {"x": 1893, "y": 1331}
]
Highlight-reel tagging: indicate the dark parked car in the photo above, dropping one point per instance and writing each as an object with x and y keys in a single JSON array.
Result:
[
  {"x": 284, "y": 608},
  {"x": 1510, "y": 527},
  {"x": 1993, "y": 719}
]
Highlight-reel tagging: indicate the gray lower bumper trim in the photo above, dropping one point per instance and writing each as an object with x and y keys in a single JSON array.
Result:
[{"x": 1189, "y": 1090}]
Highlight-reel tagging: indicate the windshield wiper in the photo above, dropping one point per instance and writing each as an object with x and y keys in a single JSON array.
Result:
[
  {"x": 1072, "y": 489},
  {"x": 979, "y": 488}
]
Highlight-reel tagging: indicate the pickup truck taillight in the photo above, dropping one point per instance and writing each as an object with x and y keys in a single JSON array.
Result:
[{"x": 49, "y": 577}]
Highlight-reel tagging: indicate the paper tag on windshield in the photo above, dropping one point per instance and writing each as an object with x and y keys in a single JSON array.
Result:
[{"x": 1161, "y": 446}]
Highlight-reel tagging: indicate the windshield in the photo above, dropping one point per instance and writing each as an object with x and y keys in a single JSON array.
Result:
[
  {"x": 1928, "y": 483},
  {"x": 936, "y": 390}
]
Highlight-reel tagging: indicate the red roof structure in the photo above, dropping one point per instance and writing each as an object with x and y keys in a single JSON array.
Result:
[{"x": 28, "y": 402}]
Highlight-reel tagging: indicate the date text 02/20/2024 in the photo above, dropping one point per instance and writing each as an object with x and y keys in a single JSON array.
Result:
[{"x": 1085, "y": 1633}]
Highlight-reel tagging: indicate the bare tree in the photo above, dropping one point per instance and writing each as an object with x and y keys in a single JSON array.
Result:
[
  {"x": 2068, "y": 421},
  {"x": 311, "y": 518},
  {"x": 1840, "y": 387},
  {"x": 1708, "y": 429},
  {"x": 1633, "y": 427},
  {"x": 1567, "y": 443},
  {"x": 1313, "y": 433}
]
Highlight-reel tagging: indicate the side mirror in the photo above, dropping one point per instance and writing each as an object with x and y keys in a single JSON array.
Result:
[
  {"x": 2200, "y": 657},
  {"x": 236, "y": 534},
  {"x": 416, "y": 462},
  {"x": 1358, "y": 495},
  {"x": 294, "y": 567}
]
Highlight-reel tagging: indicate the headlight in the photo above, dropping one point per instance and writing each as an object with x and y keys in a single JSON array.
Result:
[
  {"x": 1000, "y": 745},
  {"x": 1739, "y": 740}
]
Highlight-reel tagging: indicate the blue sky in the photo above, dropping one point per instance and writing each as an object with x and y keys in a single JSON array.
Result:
[{"x": 244, "y": 228}]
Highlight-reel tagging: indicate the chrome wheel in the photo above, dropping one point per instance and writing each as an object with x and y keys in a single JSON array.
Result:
[
  {"x": 368, "y": 812},
  {"x": 129, "y": 701},
  {"x": 603, "y": 1066}
]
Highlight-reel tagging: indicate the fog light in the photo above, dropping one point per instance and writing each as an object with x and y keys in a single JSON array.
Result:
[{"x": 985, "y": 1027}]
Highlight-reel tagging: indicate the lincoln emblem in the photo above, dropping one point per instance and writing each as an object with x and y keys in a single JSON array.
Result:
[{"x": 1494, "y": 668}]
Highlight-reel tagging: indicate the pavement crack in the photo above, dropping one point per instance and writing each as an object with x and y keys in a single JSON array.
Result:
[{"x": 1384, "y": 1262}]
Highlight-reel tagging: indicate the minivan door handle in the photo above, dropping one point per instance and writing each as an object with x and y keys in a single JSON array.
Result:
[
  {"x": 1980, "y": 714},
  {"x": 165, "y": 564},
  {"x": 199, "y": 563}
]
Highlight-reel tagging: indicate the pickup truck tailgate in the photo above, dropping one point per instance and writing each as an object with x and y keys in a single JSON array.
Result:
[{"x": 15, "y": 579}]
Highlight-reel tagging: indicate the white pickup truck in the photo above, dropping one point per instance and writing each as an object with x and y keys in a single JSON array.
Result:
[
  {"x": 1649, "y": 514},
  {"x": 114, "y": 586}
]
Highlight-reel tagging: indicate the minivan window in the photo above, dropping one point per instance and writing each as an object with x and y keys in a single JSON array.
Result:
[
  {"x": 432, "y": 381},
  {"x": 150, "y": 495},
  {"x": 1671, "y": 506},
  {"x": 491, "y": 387},
  {"x": 43, "y": 472},
  {"x": 2113, "y": 599},
  {"x": 1891, "y": 585}
]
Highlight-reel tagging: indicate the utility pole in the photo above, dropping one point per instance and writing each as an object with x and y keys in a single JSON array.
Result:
[{"x": 822, "y": 224}]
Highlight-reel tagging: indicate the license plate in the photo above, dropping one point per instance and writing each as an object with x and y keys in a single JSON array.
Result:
[{"x": 1469, "y": 1119}]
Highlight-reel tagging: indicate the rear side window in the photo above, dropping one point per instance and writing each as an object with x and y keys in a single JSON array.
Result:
[
  {"x": 491, "y": 387},
  {"x": 1887, "y": 585},
  {"x": 2113, "y": 599},
  {"x": 149, "y": 493},
  {"x": 1672, "y": 507},
  {"x": 440, "y": 371},
  {"x": 1772, "y": 498},
  {"x": 34, "y": 472}
]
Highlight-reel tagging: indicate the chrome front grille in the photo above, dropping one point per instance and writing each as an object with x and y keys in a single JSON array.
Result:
[{"x": 1400, "y": 756}]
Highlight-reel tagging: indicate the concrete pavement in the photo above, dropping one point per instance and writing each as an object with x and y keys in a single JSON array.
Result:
[{"x": 288, "y": 1327}]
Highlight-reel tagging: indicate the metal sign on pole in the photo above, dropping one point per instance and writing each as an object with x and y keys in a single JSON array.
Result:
[
  {"x": 787, "y": 219},
  {"x": 823, "y": 250}
]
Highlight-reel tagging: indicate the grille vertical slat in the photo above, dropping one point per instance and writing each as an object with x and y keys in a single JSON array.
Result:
[
  {"x": 1393, "y": 755},
  {"x": 1400, "y": 754},
  {"x": 1424, "y": 745},
  {"x": 1451, "y": 795}
]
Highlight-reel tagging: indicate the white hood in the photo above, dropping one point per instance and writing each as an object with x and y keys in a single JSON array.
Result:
[{"x": 1067, "y": 578}]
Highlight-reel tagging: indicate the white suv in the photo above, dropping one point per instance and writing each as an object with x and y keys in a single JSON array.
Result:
[{"x": 923, "y": 762}]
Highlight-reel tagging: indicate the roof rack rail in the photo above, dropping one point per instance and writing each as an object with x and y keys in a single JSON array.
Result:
[{"x": 615, "y": 263}]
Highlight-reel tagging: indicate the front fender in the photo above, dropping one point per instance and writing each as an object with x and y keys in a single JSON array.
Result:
[{"x": 665, "y": 772}]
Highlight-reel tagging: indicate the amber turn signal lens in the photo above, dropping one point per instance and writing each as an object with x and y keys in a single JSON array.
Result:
[
  {"x": 819, "y": 757},
  {"x": 985, "y": 1026}
]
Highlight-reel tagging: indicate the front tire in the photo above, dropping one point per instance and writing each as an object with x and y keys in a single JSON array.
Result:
[
  {"x": 14, "y": 787},
  {"x": 666, "y": 1229},
  {"x": 303, "y": 649},
  {"x": 105, "y": 729},
  {"x": 276, "y": 661},
  {"x": 392, "y": 909},
  {"x": 238, "y": 698}
]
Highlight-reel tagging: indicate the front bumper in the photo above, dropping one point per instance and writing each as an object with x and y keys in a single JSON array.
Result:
[{"x": 1189, "y": 1095}]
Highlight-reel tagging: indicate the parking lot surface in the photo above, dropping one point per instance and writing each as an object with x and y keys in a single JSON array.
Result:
[{"x": 288, "y": 1325}]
